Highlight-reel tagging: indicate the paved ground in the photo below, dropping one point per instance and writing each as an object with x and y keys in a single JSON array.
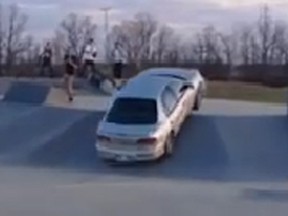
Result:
[{"x": 231, "y": 159}]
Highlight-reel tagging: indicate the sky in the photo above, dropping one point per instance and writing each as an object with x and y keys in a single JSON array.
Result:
[{"x": 186, "y": 16}]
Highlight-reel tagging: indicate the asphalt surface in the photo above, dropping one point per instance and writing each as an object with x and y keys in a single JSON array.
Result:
[{"x": 231, "y": 159}]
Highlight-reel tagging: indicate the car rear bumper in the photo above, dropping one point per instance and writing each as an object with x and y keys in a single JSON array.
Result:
[{"x": 125, "y": 156}]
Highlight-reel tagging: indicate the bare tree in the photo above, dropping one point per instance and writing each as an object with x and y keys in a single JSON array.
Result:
[
  {"x": 24, "y": 55},
  {"x": 198, "y": 49},
  {"x": 189, "y": 55},
  {"x": 77, "y": 31},
  {"x": 59, "y": 46},
  {"x": 278, "y": 52},
  {"x": 33, "y": 54},
  {"x": 245, "y": 48},
  {"x": 147, "y": 27},
  {"x": 212, "y": 46},
  {"x": 265, "y": 30},
  {"x": 209, "y": 46},
  {"x": 173, "y": 54},
  {"x": 16, "y": 41},
  {"x": 162, "y": 43},
  {"x": 229, "y": 42},
  {"x": 264, "y": 42},
  {"x": 250, "y": 49},
  {"x": 135, "y": 37}
]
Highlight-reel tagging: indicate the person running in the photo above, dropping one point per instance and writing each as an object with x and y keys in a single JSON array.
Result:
[
  {"x": 118, "y": 64},
  {"x": 46, "y": 60},
  {"x": 89, "y": 58},
  {"x": 70, "y": 71}
]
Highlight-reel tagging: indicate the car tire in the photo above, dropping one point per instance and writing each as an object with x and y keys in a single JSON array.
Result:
[
  {"x": 198, "y": 101},
  {"x": 169, "y": 146},
  {"x": 190, "y": 112}
]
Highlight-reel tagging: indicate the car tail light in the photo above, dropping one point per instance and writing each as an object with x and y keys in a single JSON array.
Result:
[
  {"x": 148, "y": 141},
  {"x": 103, "y": 138}
]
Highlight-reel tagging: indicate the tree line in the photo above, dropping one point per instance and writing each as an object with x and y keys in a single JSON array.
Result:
[{"x": 145, "y": 40}]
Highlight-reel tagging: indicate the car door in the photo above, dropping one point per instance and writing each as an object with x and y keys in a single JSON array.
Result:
[
  {"x": 185, "y": 101},
  {"x": 173, "y": 108},
  {"x": 187, "y": 93}
]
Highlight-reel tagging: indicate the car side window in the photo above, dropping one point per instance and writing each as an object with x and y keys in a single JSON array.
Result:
[
  {"x": 176, "y": 87},
  {"x": 169, "y": 101},
  {"x": 183, "y": 88}
]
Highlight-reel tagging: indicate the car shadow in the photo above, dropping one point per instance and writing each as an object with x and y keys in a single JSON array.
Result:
[
  {"x": 274, "y": 195},
  {"x": 233, "y": 148}
]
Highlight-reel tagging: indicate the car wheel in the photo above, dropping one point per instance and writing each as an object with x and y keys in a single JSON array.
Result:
[
  {"x": 169, "y": 146},
  {"x": 198, "y": 101},
  {"x": 190, "y": 112}
]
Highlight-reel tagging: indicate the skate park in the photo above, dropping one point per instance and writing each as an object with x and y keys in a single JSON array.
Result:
[
  {"x": 47, "y": 146},
  {"x": 56, "y": 133},
  {"x": 230, "y": 157}
]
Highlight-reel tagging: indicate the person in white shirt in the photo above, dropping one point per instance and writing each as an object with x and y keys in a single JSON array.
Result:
[
  {"x": 89, "y": 58},
  {"x": 118, "y": 64}
]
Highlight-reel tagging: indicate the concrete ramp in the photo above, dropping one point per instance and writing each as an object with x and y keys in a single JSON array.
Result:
[
  {"x": 11, "y": 113},
  {"x": 74, "y": 148},
  {"x": 37, "y": 93},
  {"x": 26, "y": 92},
  {"x": 34, "y": 130}
]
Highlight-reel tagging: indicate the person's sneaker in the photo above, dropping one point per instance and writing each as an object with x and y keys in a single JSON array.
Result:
[{"x": 71, "y": 99}]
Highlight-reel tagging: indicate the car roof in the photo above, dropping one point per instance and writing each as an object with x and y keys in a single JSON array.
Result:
[
  {"x": 144, "y": 87},
  {"x": 175, "y": 73}
]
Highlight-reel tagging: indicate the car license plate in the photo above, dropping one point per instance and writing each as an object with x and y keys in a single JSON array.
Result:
[{"x": 123, "y": 158}]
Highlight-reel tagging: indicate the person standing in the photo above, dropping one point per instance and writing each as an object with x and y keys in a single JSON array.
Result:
[
  {"x": 89, "y": 58},
  {"x": 70, "y": 71},
  {"x": 46, "y": 60},
  {"x": 118, "y": 64}
]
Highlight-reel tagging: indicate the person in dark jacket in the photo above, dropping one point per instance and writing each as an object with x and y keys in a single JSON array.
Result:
[
  {"x": 70, "y": 71},
  {"x": 46, "y": 60}
]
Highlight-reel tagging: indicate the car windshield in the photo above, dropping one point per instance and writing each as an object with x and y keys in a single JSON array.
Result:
[{"x": 133, "y": 111}]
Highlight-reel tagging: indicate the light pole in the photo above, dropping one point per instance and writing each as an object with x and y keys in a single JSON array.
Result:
[{"x": 106, "y": 11}]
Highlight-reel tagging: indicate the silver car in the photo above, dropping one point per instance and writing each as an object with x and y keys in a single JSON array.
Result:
[{"x": 144, "y": 118}]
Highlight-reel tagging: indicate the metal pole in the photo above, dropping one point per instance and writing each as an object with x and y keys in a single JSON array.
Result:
[{"x": 106, "y": 14}]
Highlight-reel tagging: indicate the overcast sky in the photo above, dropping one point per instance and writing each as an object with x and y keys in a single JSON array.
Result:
[{"x": 184, "y": 15}]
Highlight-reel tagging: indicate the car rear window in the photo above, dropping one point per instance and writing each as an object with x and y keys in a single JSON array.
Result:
[{"x": 133, "y": 111}]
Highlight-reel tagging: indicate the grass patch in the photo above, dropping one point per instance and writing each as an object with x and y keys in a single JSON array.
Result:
[{"x": 246, "y": 91}]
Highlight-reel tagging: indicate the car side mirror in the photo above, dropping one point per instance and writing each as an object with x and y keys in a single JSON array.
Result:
[{"x": 189, "y": 85}]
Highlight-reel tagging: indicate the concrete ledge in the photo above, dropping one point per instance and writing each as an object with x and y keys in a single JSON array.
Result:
[{"x": 58, "y": 98}]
